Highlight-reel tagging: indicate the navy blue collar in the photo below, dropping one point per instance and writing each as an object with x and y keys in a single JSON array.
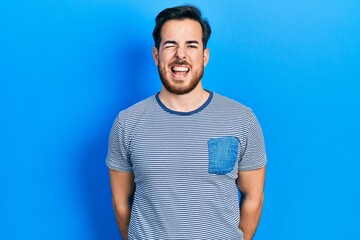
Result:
[{"x": 184, "y": 113}]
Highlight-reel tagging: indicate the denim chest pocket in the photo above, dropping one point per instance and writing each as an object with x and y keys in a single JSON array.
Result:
[{"x": 223, "y": 154}]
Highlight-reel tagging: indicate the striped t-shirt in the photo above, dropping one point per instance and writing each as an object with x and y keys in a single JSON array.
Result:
[{"x": 185, "y": 166}]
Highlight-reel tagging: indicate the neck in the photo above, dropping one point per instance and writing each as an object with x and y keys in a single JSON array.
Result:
[{"x": 186, "y": 102}]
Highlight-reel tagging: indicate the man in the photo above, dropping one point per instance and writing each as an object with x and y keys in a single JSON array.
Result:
[{"x": 183, "y": 153}]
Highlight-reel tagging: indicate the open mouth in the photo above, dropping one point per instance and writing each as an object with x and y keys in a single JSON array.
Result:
[{"x": 180, "y": 70}]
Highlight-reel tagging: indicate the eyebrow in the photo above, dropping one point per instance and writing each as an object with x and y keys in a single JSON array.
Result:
[
  {"x": 192, "y": 42},
  {"x": 170, "y": 42},
  {"x": 187, "y": 42}
]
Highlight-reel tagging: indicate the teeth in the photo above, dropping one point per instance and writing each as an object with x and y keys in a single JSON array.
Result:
[{"x": 181, "y": 69}]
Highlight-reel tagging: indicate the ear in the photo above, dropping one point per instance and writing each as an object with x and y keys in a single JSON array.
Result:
[
  {"x": 155, "y": 54},
  {"x": 206, "y": 56}
]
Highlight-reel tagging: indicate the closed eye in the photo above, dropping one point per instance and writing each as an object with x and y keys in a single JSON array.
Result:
[{"x": 170, "y": 44}]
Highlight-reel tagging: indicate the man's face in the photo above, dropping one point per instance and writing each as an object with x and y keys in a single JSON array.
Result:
[{"x": 181, "y": 58}]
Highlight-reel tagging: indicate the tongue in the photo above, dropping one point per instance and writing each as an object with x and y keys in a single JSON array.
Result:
[{"x": 180, "y": 73}]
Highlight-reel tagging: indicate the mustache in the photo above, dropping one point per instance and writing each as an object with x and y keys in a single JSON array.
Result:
[{"x": 180, "y": 62}]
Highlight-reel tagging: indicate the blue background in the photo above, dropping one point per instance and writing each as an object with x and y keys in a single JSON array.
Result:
[{"x": 68, "y": 67}]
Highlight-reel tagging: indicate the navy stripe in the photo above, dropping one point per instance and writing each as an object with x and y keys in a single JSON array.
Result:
[
  {"x": 176, "y": 197},
  {"x": 184, "y": 113}
]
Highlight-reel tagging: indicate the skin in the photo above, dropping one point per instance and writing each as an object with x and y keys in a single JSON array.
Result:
[
  {"x": 181, "y": 48},
  {"x": 181, "y": 41},
  {"x": 122, "y": 187},
  {"x": 251, "y": 185}
]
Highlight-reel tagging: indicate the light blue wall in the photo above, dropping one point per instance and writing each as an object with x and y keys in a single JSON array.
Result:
[{"x": 68, "y": 67}]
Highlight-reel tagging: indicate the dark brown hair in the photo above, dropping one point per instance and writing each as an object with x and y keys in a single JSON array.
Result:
[{"x": 179, "y": 13}]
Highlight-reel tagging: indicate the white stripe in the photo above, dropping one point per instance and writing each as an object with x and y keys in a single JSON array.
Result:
[{"x": 176, "y": 197}]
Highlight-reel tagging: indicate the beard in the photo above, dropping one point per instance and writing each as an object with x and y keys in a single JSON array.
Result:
[{"x": 179, "y": 87}]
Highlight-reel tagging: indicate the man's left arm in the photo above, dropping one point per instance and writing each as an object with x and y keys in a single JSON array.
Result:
[{"x": 251, "y": 185}]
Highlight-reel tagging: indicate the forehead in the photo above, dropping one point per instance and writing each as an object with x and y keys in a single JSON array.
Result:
[{"x": 178, "y": 30}]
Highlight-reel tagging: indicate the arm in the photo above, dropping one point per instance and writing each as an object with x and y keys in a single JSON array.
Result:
[
  {"x": 251, "y": 185},
  {"x": 122, "y": 187}
]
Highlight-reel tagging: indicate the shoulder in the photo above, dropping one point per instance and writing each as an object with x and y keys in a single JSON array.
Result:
[
  {"x": 134, "y": 112},
  {"x": 225, "y": 104}
]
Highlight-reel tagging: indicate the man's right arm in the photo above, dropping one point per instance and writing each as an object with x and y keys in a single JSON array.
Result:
[{"x": 122, "y": 187}]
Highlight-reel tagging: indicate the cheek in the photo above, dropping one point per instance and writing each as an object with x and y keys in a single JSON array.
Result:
[
  {"x": 198, "y": 64},
  {"x": 163, "y": 61},
  {"x": 165, "y": 56},
  {"x": 198, "y": 59}
]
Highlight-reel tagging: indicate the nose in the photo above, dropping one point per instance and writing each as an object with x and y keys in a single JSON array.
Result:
[{"x": 180, "y": 53}]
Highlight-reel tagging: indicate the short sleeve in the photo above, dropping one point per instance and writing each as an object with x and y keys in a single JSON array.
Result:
[
  {"x": 253, "y": 154},
  {"x": 118, "y": 157}
]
